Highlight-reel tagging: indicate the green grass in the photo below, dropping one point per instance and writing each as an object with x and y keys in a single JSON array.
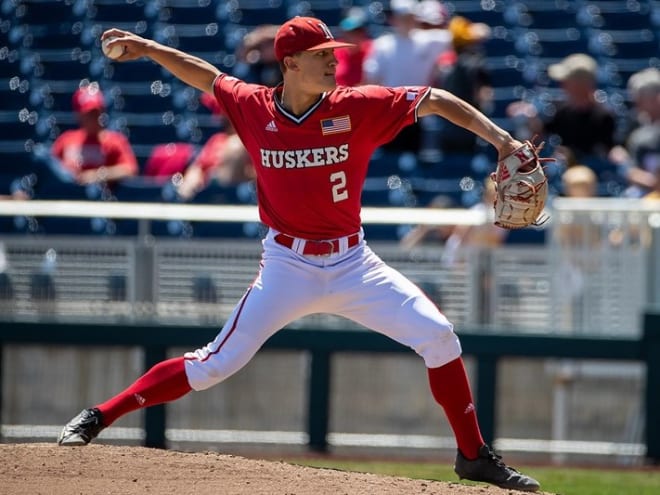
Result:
[{"x": 563, "y": 481}]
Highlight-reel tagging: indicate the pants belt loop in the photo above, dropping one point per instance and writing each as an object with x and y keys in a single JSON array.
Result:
[
  {"x": 343, "y": 244},
  {"x": 298, "y": 245}
]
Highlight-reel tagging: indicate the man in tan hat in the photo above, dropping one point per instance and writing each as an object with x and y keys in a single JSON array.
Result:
[
  {"x": 583, "y": 124},
  {"x": 311, "y": 142}
]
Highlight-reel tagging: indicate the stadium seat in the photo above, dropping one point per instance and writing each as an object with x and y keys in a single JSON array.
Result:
[
  {"x": 491, "y": 12},
  {"x": 615, "y": 15},
  {"x": 555, "y": 42},
  {"x": 139, "y": 97},
  {"x": 204, "y": 289},
  {"x": 328, "y": 10},
  {"x": 6, "y": 287},
  {"x": 139, "y": 189},
  {"x": 52, "y": 36},
  {"x": 252, "y": 12},
  {"x": 540, "y": 14},
  {"x": 117, "y": 287},
  {"x": 149, "y": 128},
  {"x": 117, "y": 11},
  {"x": 217, "y": 194},
  {"x": 48, "y": 11},
  {"x": 10, "y": 64},
  {"x": 184, "y": 11},
  {"x": 625, "y": 43}
]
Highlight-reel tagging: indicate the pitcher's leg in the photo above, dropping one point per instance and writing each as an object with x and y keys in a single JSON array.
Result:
[
  {"x": 400, "y": 310},
  {"x": 283, "y": 292},
  {"x": 263, "y": 310}
]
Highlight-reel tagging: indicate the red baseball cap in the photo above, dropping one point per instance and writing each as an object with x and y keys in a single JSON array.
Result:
[
  {"x": 302, "y": 34},
  {"x": 88, "y": 98}
]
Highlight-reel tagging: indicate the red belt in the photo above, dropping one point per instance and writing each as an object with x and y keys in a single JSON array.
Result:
[{"x": 317, "y": 248}]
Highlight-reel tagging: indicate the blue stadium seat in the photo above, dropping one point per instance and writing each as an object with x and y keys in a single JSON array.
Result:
[
  {"x": 10, "y": 63},
  {"x": 139, "y": 189},
  {"x": 149, "y": 128},
  {"x": 217, "y": 194},
  {"x": 384, "y": 163},
  {"x": 61, "y": 65},
  {"x": 500, "y": 44},
  {"x": 15, "y": 96},
  {"x": 615, "y": 15},
  {"x": 540, "y": 14},
  {"x": 625, "y": 43},
  {"x": 491, "y": 12},
  {"x": 204, "y": 289},
  {"x": 48, "y": 11},
  {"x": 52, "y": 36},
  {"x": 555, "y": 42},
  {"x": 252, "y": 12},
  {"x": 142, "y": 72},
  {"x": 121, "y": 12},
  {"x": 192, "y": 38},
  {"x": 141, "y": 97},
  {"x": 530, "y": 235},
  {"x": 184, "y": 11},
  {"x": 327, "y": 10}
]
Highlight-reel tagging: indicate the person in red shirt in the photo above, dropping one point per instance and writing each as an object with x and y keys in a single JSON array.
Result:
[
  {"x": 350, "y": 60},
  {"x": 311, "y": 142},
  {"x": 91, "y": 153}
]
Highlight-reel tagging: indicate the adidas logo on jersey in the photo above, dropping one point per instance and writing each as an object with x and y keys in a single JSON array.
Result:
[{"x": 271, "y": 126}]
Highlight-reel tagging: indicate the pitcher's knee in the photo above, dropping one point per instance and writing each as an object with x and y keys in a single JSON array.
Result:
[
  {"x": 441, "y": 348},
  {"x": 204, "y": 373}
]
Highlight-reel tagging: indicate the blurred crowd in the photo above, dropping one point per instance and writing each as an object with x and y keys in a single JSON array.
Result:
[{"x": 421, "y": 42}]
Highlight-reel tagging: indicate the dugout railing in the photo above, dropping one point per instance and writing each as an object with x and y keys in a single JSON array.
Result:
[
  {"x": 620, "y": 279},
  {"x": 487, "y": 349}
]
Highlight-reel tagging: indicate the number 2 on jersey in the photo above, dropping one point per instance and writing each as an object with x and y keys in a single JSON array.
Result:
[{"x": 339, "y": 191}]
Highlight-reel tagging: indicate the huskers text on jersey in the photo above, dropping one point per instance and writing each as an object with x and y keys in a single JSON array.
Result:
[{"x": 303, "y": 158}]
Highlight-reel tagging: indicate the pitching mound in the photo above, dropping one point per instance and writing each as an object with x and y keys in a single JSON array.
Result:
[{"x": 46, "y": 469}]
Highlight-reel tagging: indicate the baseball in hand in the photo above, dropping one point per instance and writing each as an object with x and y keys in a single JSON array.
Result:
[{"x": 113, "y": 52}]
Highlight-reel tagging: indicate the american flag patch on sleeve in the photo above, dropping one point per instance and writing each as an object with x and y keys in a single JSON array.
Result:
[{"x": 336, "y": 125}]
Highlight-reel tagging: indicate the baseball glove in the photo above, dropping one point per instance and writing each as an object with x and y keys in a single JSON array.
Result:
[{"x": 522, "y": 188}]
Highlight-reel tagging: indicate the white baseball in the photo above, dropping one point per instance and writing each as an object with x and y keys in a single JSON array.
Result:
[{"x": 113, "y": 52}]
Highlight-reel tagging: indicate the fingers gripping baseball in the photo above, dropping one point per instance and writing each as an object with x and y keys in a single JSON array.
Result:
[
  {"x": 122, "y": 45},
  {"x": 522, "y": 188}
]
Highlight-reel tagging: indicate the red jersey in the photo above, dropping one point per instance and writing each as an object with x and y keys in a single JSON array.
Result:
[
  {"x": 79, "y": 150},
  {"x": 311, "y": 168}
]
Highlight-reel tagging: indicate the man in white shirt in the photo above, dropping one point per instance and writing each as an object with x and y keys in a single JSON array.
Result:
[{"x": 405, "y": 56}]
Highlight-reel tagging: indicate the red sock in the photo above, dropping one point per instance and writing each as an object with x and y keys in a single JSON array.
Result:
[
  {"x": 451, "y": 389},
  {"x": 164, "y": 382}
]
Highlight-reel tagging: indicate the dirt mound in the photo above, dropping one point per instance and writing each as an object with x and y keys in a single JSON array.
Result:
[{"x": 46, "y": 469}]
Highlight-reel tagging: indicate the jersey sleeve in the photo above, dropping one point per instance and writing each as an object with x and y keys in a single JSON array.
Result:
[
  {"x": 385, "y": 111},
  {"x": 230, "y": 91}
]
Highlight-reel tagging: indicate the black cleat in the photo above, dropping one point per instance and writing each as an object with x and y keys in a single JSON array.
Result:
[
  {"x": 82, "y": 429},
  {"x": 490, "y": 468}
]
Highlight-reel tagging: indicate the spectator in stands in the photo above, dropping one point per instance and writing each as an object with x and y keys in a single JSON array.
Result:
[
  {"x": 92, "y": 154},
  {"x": 581, "y": 122},
  {"x": 256, "y": 57},
  {"x": 425, "y": 233},
  {"x": 640, "y": 154},
  {"x": 350, "y": 60},
  {"x": 406, "y": 56},
  {"x": 223, "y": 159},
  {"x": 431, "y": 14},
  {"x": 655, "y": 194},
  {"x": 487, "y": 235},
  {"x": 578, "y": 239},
  {"x": 465, "y": 76}
]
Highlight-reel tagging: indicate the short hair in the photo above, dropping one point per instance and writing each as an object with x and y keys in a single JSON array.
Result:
[{"x": 645, "y": 81}]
